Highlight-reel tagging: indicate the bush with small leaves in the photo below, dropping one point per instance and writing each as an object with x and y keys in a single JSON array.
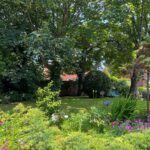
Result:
[
  {"x": 27, "y": 128},
  {"x": 77, "y": 122},
  {"x": 95, "y": 82},
  {"x": 120, "y": 85},
  {"x": 95, "y": 119},
  {"x": 99, "y": 119},
  {"x": 47, "y": 99}
]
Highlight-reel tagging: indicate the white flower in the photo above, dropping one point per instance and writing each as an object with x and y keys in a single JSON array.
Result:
[
  {"x": 66, "y": 116},
  {"x": 55, "y": 117}
]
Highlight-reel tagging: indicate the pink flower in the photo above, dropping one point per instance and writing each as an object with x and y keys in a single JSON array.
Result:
[
  {"x": 5, "y": 146},
  {"x": 1, "y": 123},
  {"x": 113, "y": 124},
  {"x": 129, "y": 128}
]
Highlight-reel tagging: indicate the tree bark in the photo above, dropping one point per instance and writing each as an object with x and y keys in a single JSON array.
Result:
[
  {"x": 134, "y": 79},
  {"x": 80, "y": 83}
]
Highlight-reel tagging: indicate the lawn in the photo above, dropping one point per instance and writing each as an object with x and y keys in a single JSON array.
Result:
[{"x": 75, "y": 104}]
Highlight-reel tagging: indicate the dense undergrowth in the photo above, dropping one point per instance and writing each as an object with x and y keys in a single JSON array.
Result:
[{"x": 29, "y": 128}]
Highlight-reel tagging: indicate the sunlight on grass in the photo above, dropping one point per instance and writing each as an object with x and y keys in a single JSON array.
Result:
[{"x": 75, "y": 104}]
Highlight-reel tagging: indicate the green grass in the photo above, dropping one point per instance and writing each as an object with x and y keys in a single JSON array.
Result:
[
  {"x": 75, "y": 104},
  {"x": 10, "y": 106}
]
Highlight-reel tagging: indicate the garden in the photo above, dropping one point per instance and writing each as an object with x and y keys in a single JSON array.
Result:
[
  {"x": 74, "y": 75},
  {"x": 77, "y": 123}
]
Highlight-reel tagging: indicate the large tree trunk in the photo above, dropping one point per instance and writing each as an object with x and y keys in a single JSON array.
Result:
[
  {"x": 134, "y": 79},
  {"x": 80, "y": 83}
]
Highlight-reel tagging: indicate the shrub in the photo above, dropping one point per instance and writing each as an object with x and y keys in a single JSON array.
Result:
[
  {"x": 76, "y": 141},
  {"x": 122, "y": 108},
  {"x": 36, "y": 133},
  {"x": 120, "y": 85},
  {"x": 82, "y": 141},
  {"x": 140, "y": 140},
  {"x": 27, "y": 128},
  {"x": 47, "y": 100},
  {"x": 96, "y": 81},
  {"x": 99, "y": 119},
  {"x": 95, "y": 119},
  {"x": 143, "y": 92},
  {"x": 77, "y": 122},
  {"x": 141, "y": 89}
]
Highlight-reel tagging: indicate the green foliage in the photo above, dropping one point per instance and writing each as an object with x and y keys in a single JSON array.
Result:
[
  {"x": 138, "y": 140},
  {"x": 32, "y": 38},
  {"x": 27, "y": 128},
  {"x": 99, "y": 119},
  {"x": 95, "y": 119},
  {"x": 121, "y": 85},
  {"x": 36, "y": 131},
  {"x": 75, "y": 141},
  {"x": 141, "y": 89},
  {"x": 77, "y": 122},
  {"x": 97, "y": 81},
  {"x": 122, "y": 108},
  {"x": 133, "y": 141},
  {"x": 19, "y": 74},
  {"x": 47, "y": 100},
  {"x": 143, "y": 92}
]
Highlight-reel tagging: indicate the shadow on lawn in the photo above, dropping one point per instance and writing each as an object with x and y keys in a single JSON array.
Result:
[{"x": 10, "y": 106}]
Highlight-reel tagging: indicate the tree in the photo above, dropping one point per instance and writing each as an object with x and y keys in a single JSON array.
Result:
[
  {"x": 132, "y": 20},
  {"x": 89, "y": 45},
  {"x": 143, "y": 61},
  {"x": 65, "y": 37},
  {"x": 19, "y": 73},
  {"x": 53, "y": 41}
]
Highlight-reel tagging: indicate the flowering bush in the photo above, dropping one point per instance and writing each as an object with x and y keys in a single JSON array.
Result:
[
  {"x": 29, "y": 128},
  {"x": 96, "y": 119},
  {"x": 1, "y": 123},
  {"x": 99, "y": 119},
  {"x": 5, "y": 146},
  {"x": 127, "y": 126},
  {"x": 77, "y": 122}
]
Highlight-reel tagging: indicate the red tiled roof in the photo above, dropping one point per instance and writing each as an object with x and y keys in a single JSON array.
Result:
[{"x": 69, "y": 77}]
